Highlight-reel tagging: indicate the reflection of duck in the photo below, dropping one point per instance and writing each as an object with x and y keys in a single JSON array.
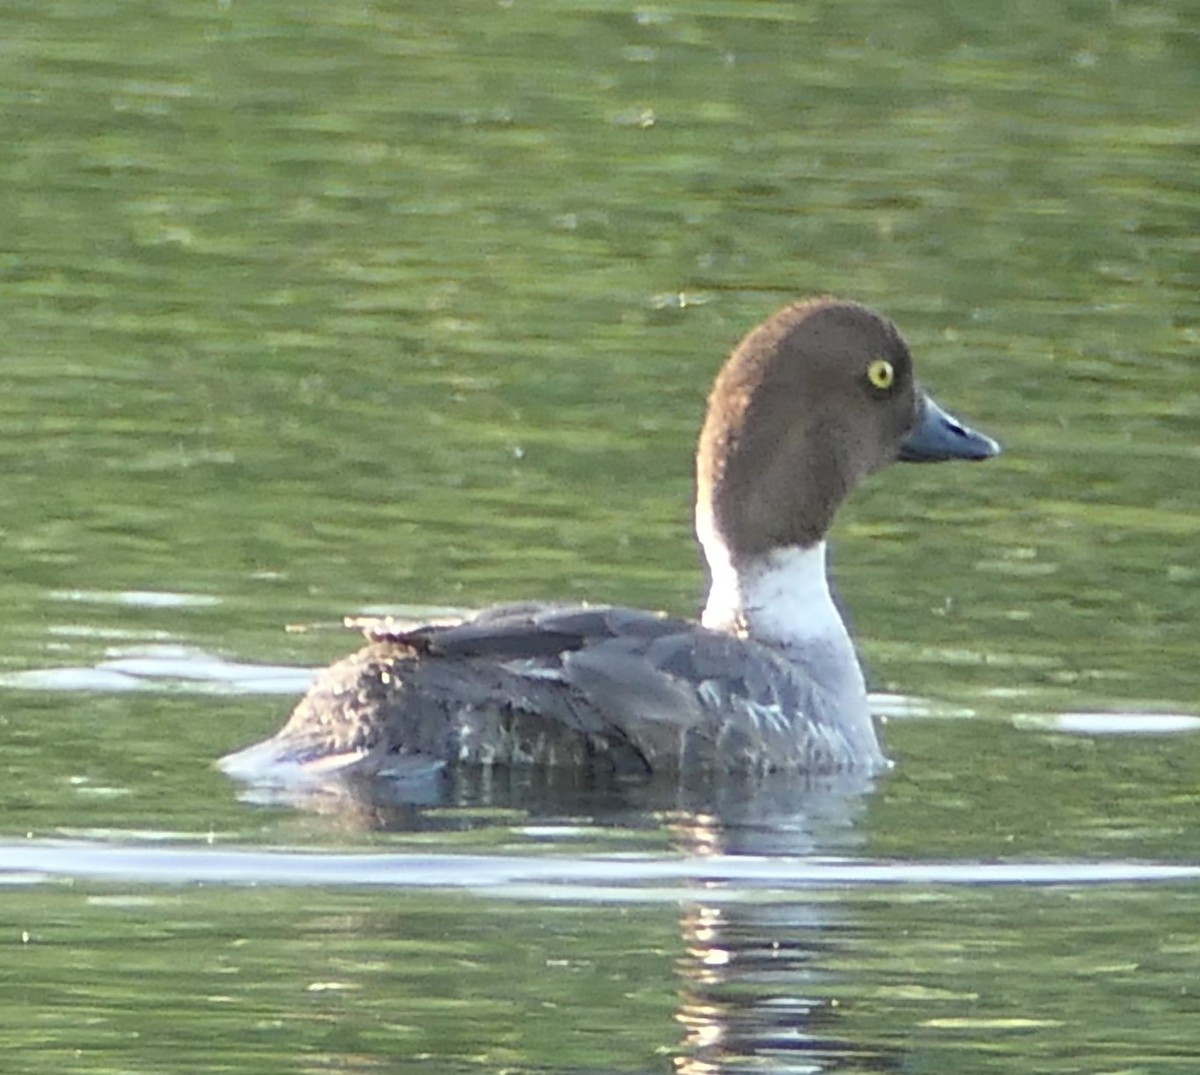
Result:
[
  {"x": 812, "y": 401},
  {"x": 758, "y": 992},
  {"x": 764, "y": 983}
]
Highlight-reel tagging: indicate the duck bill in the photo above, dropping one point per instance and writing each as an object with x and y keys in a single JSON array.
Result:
[{"x": 939, "y": 436}]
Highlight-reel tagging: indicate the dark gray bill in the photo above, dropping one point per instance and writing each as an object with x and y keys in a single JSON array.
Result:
[{"x": 939, "y": 436}]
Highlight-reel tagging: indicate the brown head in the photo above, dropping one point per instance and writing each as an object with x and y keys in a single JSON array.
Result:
[{"x": 811, "y": 402}]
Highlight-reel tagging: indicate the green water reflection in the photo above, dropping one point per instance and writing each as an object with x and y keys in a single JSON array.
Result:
[
  {"x": 305, "y": 309},
  {"x": 103, "y": 979}
]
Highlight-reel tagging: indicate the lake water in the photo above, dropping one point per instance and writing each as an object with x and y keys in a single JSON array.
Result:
[{"x": 312, "y": 310}]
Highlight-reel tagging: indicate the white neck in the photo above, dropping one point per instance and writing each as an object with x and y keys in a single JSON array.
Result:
[{"x": 781, "y": 599}]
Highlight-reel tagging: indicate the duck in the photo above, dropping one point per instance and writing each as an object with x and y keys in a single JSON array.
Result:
[{"x": 811, "y": 402}]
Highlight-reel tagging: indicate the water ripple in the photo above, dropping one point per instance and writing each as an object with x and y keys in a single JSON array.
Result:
[{"x": 600, "y": 877}]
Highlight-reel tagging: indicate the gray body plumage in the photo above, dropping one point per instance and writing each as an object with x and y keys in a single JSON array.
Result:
[{"x": 612, "y": 689}]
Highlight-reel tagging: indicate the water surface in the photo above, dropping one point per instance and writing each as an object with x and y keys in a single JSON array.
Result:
[{"x": 309, "y": 312}]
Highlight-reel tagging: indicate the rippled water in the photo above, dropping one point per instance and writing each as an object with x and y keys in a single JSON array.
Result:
[{"x": 309, "y": 312}]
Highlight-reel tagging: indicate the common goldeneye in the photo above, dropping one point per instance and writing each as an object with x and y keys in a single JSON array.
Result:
[{"x": 811, "y": 402}]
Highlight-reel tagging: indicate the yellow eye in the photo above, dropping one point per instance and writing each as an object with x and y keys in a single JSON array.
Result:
[{"x": 881, "y": 374}]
